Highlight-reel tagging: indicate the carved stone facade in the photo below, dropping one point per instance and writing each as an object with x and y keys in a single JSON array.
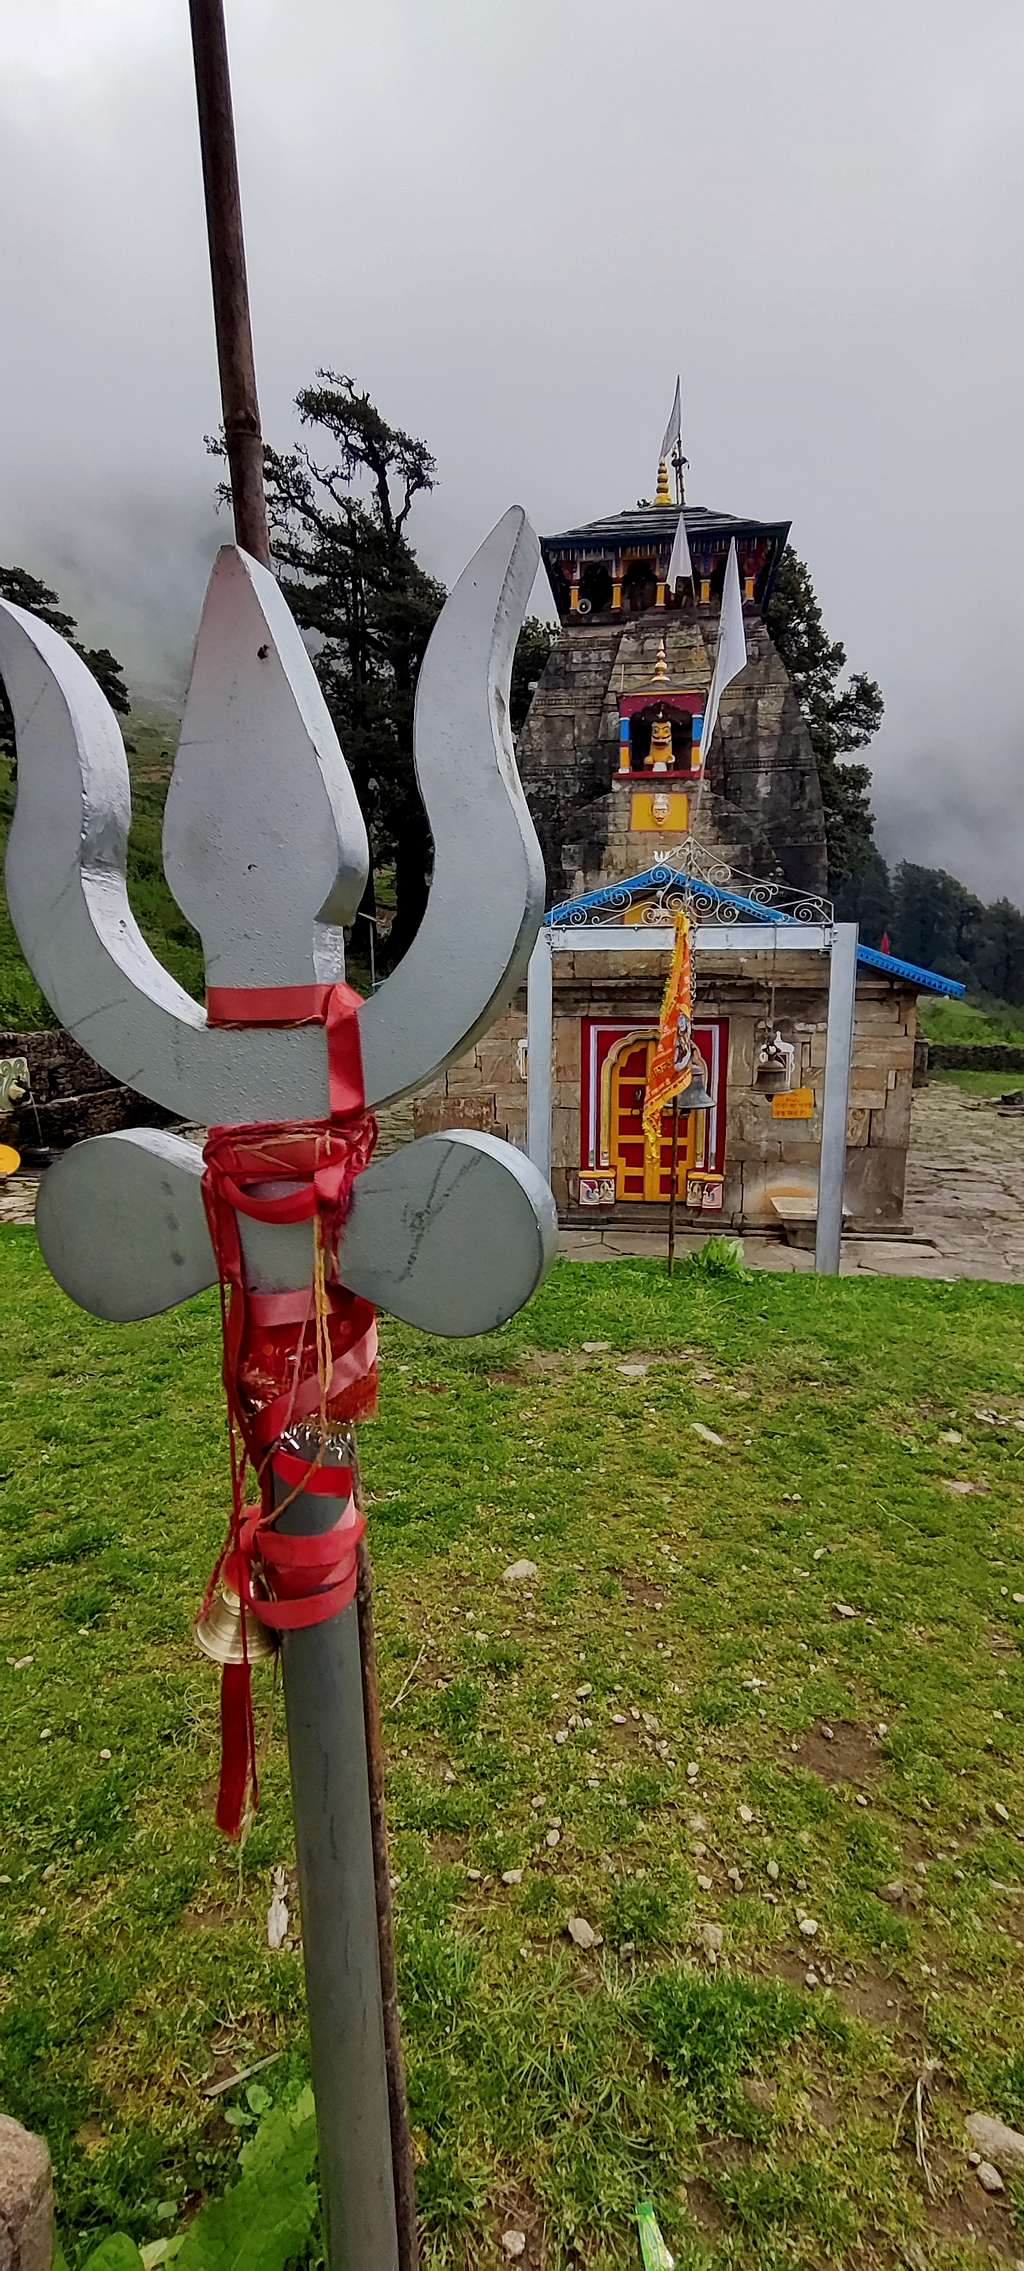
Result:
[
  {"x": 770, "y": 1162},
  {"x": 610, "y": 758},
  {"x": 761, "y": 805}
]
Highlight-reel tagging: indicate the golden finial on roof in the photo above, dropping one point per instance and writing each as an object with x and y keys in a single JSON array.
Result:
[
  {"x": 663, "y": 494},
  {"x": 661, "y": 666}
]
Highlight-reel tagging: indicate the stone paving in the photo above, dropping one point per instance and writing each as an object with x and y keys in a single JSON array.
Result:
[
  {"x": 964, "y": 1211},
  {"x": 964, "y": 1215},
  {"x": 18, "y": 1194}
]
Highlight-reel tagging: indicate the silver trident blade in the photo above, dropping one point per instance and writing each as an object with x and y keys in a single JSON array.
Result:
[
  {"x": 487, "y": 894},
  {"x": 66, "y": 881},
  {"x": 259, "y": 842}
]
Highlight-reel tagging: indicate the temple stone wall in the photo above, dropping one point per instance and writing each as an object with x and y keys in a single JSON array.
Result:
[
  {"x": 764, "y": 1156},
  {"x": 762, "y": 803},
  {"x": 72, "y": 1096}
]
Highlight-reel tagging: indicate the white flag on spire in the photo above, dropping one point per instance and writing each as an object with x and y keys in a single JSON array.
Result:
[
  {"x": 731, "y": 656},
  {"x": 674, "y": 429},
  {"x": 680, "y": 563}
]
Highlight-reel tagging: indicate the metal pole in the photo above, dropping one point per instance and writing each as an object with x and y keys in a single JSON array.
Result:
[
  {"x": 239, "y": 401},
  {"x": 398, "y": 2103},
  {"x": 842, "y": 995},
  {"x": 539, "y": 1032},
  {"x": 672, "y": 1187},
  {"x": 323, "y": 1690}
]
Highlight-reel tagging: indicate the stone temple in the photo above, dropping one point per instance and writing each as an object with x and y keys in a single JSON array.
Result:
[
  {"x": 633, "y": 824},
  {"x": 631, "y": 669}
]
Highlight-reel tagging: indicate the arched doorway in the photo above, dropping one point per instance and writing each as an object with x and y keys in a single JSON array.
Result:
[{"x": 641, "y": 1174}]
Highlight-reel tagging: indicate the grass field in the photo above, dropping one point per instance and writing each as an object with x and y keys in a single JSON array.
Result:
[
  {"x": 767, "y": 1678},
  {"x": 969, "y": 1022}
]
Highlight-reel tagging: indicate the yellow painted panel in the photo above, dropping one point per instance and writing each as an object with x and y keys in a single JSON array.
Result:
[
  {"x": 659, "y": 808},
  {"x": 793, "y": 1104}
]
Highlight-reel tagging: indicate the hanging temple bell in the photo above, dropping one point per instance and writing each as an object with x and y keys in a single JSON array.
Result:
[
  {"x": 219, "y": 1629},
  {"x": 697, "y": 1097}
]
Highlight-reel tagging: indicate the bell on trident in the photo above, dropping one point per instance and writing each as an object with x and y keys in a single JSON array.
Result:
[{"x": 224, "y": 1633}]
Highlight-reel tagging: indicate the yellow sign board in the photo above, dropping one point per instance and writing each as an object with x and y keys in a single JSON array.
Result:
[{"x": 793, "y": 1104}]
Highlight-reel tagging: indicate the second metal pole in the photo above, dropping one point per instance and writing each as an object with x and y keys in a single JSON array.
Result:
[
  {"x": 842, "y": 1003},
  {"x": 672, "y": 1187}
]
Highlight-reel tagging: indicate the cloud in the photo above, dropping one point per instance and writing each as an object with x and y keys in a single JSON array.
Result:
[{"x": 513, "y": 225}]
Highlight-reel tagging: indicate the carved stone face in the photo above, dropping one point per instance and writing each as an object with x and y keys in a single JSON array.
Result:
[{"x": 660, "y": 807}]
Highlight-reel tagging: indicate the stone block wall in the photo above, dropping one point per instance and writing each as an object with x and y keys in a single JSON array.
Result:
[
  {"x": 72, "y": 1096},
  {"x": 487, "y": 1087}
]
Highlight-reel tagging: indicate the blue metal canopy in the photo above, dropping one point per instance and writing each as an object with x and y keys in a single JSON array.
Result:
[{"x": 621, "y": 896}]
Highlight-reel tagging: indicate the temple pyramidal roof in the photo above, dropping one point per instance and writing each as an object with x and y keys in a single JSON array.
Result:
[{"x": 659, "y": 521}]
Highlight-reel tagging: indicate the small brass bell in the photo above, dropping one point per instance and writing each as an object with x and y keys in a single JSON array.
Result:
[{"x": 219, "y": 1632}]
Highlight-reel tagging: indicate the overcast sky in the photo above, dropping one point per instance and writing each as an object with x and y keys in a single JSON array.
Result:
[{"x": 513, "y": 223}]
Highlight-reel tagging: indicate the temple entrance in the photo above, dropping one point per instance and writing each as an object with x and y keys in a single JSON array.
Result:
[
  {"x": 596, "y": 586},
  {"x": 639, "y": 1174},
  {"x": 615, "y": 1165}
]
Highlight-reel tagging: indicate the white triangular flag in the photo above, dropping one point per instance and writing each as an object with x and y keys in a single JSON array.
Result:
[
  {"x": 674, "y": 429},
  {"x": 680, "y": 563},
  {"x": 731, "y": 656}
]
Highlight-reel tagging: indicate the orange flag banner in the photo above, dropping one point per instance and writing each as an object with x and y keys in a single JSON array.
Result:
[{"x": 671, "y": 1070}]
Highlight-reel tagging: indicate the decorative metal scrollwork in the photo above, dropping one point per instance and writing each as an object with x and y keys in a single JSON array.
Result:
[{"x": 698, "y": 881}]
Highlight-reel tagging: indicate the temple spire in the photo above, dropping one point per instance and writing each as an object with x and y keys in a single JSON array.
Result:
[{"x": 663, "y": 494}]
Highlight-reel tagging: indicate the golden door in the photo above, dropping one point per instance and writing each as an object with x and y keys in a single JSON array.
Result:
[{"x": 639, "y": 1173}]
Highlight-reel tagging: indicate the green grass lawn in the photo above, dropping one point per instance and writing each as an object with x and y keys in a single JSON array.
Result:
[{"x": 792, "y": 1654}]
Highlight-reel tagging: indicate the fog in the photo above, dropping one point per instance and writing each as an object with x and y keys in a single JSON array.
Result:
[{"x": 513, "y": 225}]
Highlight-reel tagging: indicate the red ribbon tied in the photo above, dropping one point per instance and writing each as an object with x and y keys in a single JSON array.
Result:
[{"x": 289, "y": 1357}]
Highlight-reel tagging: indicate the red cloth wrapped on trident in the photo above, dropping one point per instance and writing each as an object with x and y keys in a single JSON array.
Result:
[{"x": 305, "y": 1356}]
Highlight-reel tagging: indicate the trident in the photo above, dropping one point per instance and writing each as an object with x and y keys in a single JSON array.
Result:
[{"x": 265, "y": 851}]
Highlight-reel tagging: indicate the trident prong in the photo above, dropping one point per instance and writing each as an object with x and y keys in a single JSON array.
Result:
[
  {"x": 260, "y": 851},
  {"x": 66, "y": 857}
]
